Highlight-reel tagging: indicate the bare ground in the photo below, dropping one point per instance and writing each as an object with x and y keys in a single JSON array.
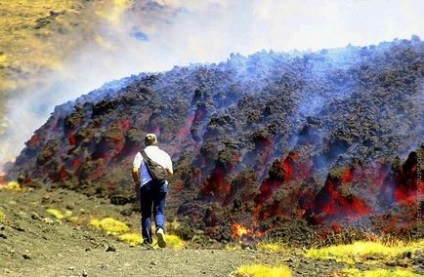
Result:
[{"x": 33, "y": 243}]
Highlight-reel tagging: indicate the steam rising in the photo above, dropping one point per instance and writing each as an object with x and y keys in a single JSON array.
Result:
[{"x": 154, "y": 36}]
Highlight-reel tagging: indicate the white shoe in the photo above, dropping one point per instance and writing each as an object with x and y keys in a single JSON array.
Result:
[{"x": 161, "y": 238}]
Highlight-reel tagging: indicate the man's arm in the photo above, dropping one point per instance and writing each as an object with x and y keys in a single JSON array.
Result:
[
  {"x": 169, "y": 167},
  {"x": 136, "y": 175},
  {"x": 137, "y": 182}
]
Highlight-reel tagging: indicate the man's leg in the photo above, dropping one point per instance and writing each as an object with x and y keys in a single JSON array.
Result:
[
  {"x": 146, "y": 200},
  {"x": 159, "y": 205}
]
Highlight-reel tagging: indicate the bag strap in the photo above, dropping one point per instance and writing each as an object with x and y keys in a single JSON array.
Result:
[
  {"x": 147, "y": 161},
  {"x": 143, "y": 153}
]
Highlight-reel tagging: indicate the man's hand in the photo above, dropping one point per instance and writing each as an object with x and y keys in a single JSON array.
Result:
[{"x": 137, "y": 182}]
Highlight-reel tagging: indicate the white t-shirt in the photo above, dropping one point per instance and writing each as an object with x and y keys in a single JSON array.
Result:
[{"x": 157, "y": 155}]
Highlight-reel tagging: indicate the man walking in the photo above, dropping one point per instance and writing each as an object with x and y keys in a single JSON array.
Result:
[{"x": 152, "y": 193}]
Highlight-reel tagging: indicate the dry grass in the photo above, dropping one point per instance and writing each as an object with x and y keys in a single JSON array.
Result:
[
  {"x": 2, "y": 217},
  {"x": 261, "y": 270},
  {"x": 13, "y": 186},
  {"x": 273, "y": 247},
  {"x": 174, "y": 242},
  {"x": 361, "y": 251},
  {"x": 132, "y": 239},
  {"x": 59, "y": 215},
  {"x": 110, "y": 225},
  {"x": 379, "y": 273},
  {"x": 123, "y": 232}
]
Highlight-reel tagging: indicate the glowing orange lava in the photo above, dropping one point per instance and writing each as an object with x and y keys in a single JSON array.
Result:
[{"x": 239, "y": 230}]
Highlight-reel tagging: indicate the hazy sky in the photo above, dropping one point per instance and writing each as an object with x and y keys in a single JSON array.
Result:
[
  {"x": 208, "y": 31},
  {"x": 213, "y": 29}
]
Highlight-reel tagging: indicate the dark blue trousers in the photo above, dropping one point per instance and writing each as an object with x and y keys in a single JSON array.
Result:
[{"x": 152, "y": 198}]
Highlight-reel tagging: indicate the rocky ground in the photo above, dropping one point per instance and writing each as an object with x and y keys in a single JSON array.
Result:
[{"x": 33, "y": 243}]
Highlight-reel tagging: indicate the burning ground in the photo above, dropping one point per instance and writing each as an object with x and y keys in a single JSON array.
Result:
[{"x": 287, "y": 145}]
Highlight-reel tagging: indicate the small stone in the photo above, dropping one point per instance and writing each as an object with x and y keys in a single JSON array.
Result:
[
  {"x": 71, "y": 268},
  {"x": 26, "y": 256},
  {"x": 84, "y": 273},
  {"x": 54, "y": 12},
  {"x": 48, "y": 220},
  {"x": 127, "y": 212},
  {"x": 408, "y": 255},
  {"x": 288, "y": 260},
  {"x": 110, "y": 248},
  {"x": 19, "y": 228},
  {"x": 35, "y": 216},
  {"x": 3, "y": 236},
  {"x": 390, "y": 263},
  {"x": 45, "y": 199},
  {"x": 104, "y": 266},
  {"x": 154, "y": 263},
  {"x": 402, "y": 263}
]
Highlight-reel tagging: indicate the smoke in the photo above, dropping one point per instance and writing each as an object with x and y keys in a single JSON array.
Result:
[{"x": 152, "y": 36}]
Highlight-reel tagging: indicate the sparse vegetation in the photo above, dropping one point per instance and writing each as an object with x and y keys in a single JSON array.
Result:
[
  {"x": 110, "y": 225},
  {"x": 362, "y": 251},
  {"x": 174, "y": 242},
  {"x": 59, "y": 214},
  {"x": 379, "y": 273},
  {"x": 2, "y": 217},
  {"x": 273, "y": 247},
  {"x": 132, "y": 239},
  {"x": 123, "y": 232},
  {"x": 261, "y": 270},
  {"x": 12, "y": 185}
]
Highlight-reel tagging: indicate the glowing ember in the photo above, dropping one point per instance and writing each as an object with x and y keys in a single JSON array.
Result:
[{"x": 239, "y": 230}]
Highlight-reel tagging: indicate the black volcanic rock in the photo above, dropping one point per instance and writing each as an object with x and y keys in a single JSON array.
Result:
[{"x": 261, "y": 136}]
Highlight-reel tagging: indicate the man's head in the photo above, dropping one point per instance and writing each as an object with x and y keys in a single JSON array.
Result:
[{"x": 150, "y": 139}]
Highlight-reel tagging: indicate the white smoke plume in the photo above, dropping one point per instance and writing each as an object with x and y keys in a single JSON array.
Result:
[{"x": 153, "y": 36}]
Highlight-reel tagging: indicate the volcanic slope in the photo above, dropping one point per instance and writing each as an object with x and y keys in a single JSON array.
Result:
[{"x": 328, "y": 138}]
